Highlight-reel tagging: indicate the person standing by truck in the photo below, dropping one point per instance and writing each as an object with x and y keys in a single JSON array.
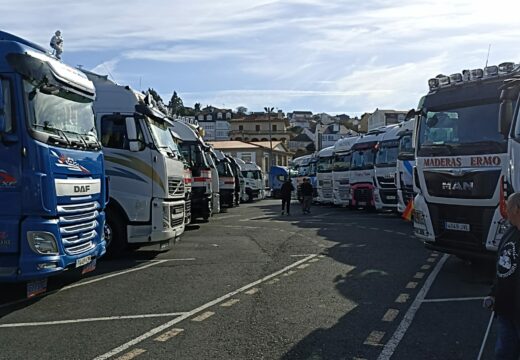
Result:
[
  {"x": 505, "y": 293},
  {"x": 306, "y": 191},
  {"x": 285, "y": 193}
]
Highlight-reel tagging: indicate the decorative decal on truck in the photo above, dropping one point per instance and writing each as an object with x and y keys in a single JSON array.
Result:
[
  {"x": 4, "y": 239},
  {"x": 470, "y": 161},
  {"x": 6, "y": 180},
  {"x": 69, "y": 163}
]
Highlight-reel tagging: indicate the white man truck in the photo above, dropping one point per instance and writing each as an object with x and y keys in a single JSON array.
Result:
[
  {"x": 144, "y": 166},
  {"x": 362, "y": 170},
  {"x": 405, "y": 165},
  {"x": 461, "y": 163},
  {"x": 341, "y": 171},
  {"x": 254, "y": 179},
  {"x": 385, "y": 192},
  {"x": 324, "y": 175}
]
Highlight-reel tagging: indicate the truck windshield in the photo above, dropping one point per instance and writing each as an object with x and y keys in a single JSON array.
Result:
[
  {"x": 387, "y": 153},
  {"x": 303, "y": 170},
  {"x": 162, "y": 137},
  {"x": 325, "y": 164},
  {"x": 65, "y": 114},
  {"x": 251, "y": 174},
  {"x": 461, "y": 131},
  {"x": 193, "y": 154},
  {"x": 224, "y": 169},
  {"x": 342, "y": 162},
  {"x": 362, "y": 159}
]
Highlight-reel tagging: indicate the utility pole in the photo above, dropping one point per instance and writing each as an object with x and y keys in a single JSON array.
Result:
[{"x": 268, "y": 110}]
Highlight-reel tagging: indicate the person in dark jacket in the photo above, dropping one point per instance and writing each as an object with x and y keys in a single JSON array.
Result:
[
  {"x": 504, "y": 298},
  {"x": 306, "y": 191},
  {"x": 285, "y": 193}
]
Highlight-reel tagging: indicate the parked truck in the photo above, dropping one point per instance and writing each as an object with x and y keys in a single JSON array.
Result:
[
  {"x": 325, "y": 159},
  {"x": 226, "y": 180},
  {"x": 52, "y": 183},
  {"x": 147, "y": 193},
  {"x": 461, "y": 163},
  {"x": 254, "y": 179},
  {"x": 341, "y": 171},
  {"x": 385, "y": 192},
  {"x": 405, "y": 165}
]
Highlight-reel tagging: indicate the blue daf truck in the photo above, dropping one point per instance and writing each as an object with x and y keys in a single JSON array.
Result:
[{"x": 52, "y": 183}]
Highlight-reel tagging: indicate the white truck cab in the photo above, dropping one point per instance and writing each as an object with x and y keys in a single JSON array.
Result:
[
  {"x": 385, "y": 192},
  {"x": 254, "y": 179},
  {"x": 341, "y": 171},
  {"x": 324, "y": 175},
  {"x": 405, "y": 165}
]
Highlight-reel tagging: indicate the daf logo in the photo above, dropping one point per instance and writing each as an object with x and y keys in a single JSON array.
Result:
[
  {"x": 81, "y": 188},
  {"x": 458, "y": 185}
]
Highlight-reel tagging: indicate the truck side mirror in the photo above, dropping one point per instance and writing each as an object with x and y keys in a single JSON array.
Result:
[
  {"x": 131, "y": 132},
  {"x": 505, "y": 115}
]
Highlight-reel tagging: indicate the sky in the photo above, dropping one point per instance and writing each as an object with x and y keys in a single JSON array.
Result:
[{"x": 328, "y": 56}]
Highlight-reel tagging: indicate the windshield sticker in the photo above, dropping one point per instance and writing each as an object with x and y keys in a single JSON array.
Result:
[
  {"x": 6, "y": 180},
  {"x": 69, "y": 163}
]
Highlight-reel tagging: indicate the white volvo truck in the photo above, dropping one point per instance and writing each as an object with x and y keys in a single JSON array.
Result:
[
  {"x": 461, "y": 163},
  {"x": 324, "y": 175},
  {"x": 341, "y": 171},
  {"x": 385, "y": 192},
  {"x": 146, "y": 171}
]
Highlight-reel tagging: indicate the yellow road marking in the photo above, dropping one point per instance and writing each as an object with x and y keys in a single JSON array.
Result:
[
  {"x": 230, "y": 303},
  {"x": 168, "y": 335},
  {"x": 131, "y": 354},
  {"x": 390, "y": 315},
  {"x": 203, "y": 316},
  {"x": 374, "y": 339}
]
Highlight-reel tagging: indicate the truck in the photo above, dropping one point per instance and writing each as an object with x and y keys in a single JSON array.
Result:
[
  {"x": 146, "y": 171},
  {"x": 277, "y": 176},
  {"x": 215, "y": 179},
  {"x": 193, "y": 149},
  {"x": 405, "y": 165},
  {"x": 341, "y": 171},
  {"x": 52, "y": 176},
  {"x": 462, "y": 163},
  {"x": 325, "y": 159},
  {"x": 385, "y": 191},
  {"x": 226, "y": 180},
  {"x": 240, "y": 183},
  {"x": 362, "y": 171},
  {"x": 254, "y": 179}
]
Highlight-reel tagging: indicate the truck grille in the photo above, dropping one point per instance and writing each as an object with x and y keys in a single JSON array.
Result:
[
  {"x": 386, "y": 183},
  {"x": 176, "y": 187},
  {"x": 78, "y": 223},
  {"x": 363, "y": 195},
  {"x": 388, "y": 197}
]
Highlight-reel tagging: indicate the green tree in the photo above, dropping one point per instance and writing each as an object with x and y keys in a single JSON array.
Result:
[
  {"x": 196, "y": 107},
  {"x": 241, "y": 110},
  {"x": 176, "y": 106},
  {"x": 155, "y": 95}
]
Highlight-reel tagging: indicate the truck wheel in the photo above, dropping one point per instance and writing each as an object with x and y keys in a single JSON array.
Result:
[
  {"x": 115, "y": 234},
  {"x": 207, "y": 214}
]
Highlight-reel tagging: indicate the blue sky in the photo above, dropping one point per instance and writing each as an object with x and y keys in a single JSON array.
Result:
[{"x": 320, "y": 55}]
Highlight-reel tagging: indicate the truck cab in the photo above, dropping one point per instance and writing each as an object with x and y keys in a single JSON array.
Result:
[
  {"x": 226, "y": 180},
  {"x": 385, "y": 192},
  {"x": 325, "y": 159},
  {"x": 405, "y": 165},
  {"x": 341, "y": 171},
  {"x": 147, "y": 195},
  {"x": 254, "y": 179},
  {"x": 240, "y": 183},
  {"x": 52, "y": 182}
]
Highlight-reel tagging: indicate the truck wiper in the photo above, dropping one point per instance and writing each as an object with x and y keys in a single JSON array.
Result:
[{"x": 54, "y": 131}]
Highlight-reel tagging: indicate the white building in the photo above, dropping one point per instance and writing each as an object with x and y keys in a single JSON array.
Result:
[
  {"x": 300, "y": 118},
  {"x": 215, "y": 123},
  {"x": 385, "y": 117}
]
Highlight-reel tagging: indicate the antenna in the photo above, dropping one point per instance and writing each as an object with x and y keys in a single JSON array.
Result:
[
  {"x": 487, "y": 59},
  {"x": 109, "y": 73},
  {"x": 140, "y": 78}
]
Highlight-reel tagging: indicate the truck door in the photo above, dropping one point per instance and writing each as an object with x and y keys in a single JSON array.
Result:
[{"x": 10, "y": 166}]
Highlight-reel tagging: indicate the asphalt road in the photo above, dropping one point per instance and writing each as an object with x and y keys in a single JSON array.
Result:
[{"x": 252, "y": 284}]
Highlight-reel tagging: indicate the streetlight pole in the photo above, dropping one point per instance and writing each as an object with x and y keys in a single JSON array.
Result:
[{"x": 268, "y": 110}]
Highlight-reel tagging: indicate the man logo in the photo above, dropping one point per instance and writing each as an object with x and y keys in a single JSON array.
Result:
[
  {"x": 81, "y": 188},
  {"x": 458, "y": 185}
]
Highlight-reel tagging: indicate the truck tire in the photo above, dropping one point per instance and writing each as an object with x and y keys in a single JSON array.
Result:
[{"x": 115, "y": 234}]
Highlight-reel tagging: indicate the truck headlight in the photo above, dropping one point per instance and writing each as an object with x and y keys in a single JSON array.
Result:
[
  {"x": 43, "y": 243},
  {"x": 166, "y": 217}
]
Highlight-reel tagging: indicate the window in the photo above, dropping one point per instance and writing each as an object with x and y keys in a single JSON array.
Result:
[
  {"x": 219, "y": 115},
  {"x": 114, "y": 135},
  {"x": 8, "y": 106},
  {"x": 201, "y": 118},
  {"x": 275, "y": 128},
  {"x": 228, "y": 115},
  {"x": 257, "y": 127},
  {"x": 209, "y": 118},
  {"x": 240, "y": 127}
]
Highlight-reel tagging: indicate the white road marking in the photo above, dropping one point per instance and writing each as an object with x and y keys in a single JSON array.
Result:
[
  {"x": 401, "y": 233},
  {"x": 426, "y": 267},
  {"x": 390, "y": 315},
  {"x": 402, "y": 298},
  {"x": 289, "y": 273},
  {"x": 374, "y": 339},
  {"x": 131, "y": 354},
  {"x": 75, "y": 321},
  {"x": 83, "y": 283},
  {"x": 431, "y": 260},
  {"x": 418, "y": 275},
  {"x": 486, "y": 336},
  {"x": 237, "y": 226},
  {"x": 412, "y": 285},
  {"x": 168, "y": 335},
  {"x": 252, "y": 291},
  {"x": 225, "y": 217},
  {"x": 274, "y": 281},
  {"x": 230, "y": 303},
  {"x": 201, "y": 308},
  {"x": 452, "y": 299},
  {"x": 314, "y": 260},
  {"x": 303, "y": 266},
  {"x": 302, "y": 255},
  {"x": 399, "y": 333},
  {"x": 166, "y": 260},
  {"x": 203, "y": 316}
]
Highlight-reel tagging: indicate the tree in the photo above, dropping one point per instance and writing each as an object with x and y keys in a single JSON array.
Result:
[
  {"x": 155, "y": 95},
  {"x": 176, "y": 106},
  {"x": 196, "y": 107},
  {"x": 241, "y": 110}
]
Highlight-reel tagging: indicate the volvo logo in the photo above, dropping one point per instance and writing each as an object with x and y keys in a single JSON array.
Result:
[
  {"x": 81, "y": 188},
  {"x": 458, "y": 185}
]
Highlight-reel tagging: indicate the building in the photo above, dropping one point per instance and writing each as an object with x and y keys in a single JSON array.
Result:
[
  {"x": 256, "y": 152},
  {"x": 385, "y": 117},
  {"x": 327, "y": 135},
  {"x": 215, "y": 123},
  {"x": 260, "y": 127},
  {"x": 303, "y": 143},
  {"x": 300, "y": 119},
  {"x": 363, "y": 124}
]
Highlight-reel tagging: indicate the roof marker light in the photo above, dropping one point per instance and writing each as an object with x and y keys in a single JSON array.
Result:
[
  {"x": 491, "y": 70},
  {"x": 506, "y": 67},
  {"x": 455, "y": 78},
  {"x": 476, "y": 74},
  {"x": 444, "y": 81},
  {"x": 465, "y": 75},
  {"x": 433, "y": 84}
]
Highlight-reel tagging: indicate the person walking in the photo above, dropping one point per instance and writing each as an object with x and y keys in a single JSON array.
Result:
[
  {"x": 286, "y": 192},
  {"x": 306, "y": 191},
  {"x": 504, "y": 298}
]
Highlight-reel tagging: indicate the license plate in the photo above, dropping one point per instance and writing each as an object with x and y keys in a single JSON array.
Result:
[
  {"x": 390, "y": 197},
  {"x": 457, "y": 226},
  {"x": 362, "y": 203},
  {"x": 36, "y": 287},
  {"x": 89, "y": 267},
  {"x": 83, "y": 261}
]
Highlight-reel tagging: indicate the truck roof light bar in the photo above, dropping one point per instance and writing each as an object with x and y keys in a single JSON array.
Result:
[
  {"x": 456, "y": 78},
  {"x": 506, "y": 67},
  {"x": 444, "y": 81},
  {"x": 465, "y": 75},
  {"x": 491, "y": 71},
  {"x": 433, "y": 84},
  {"x": 476, "y": 74}
]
